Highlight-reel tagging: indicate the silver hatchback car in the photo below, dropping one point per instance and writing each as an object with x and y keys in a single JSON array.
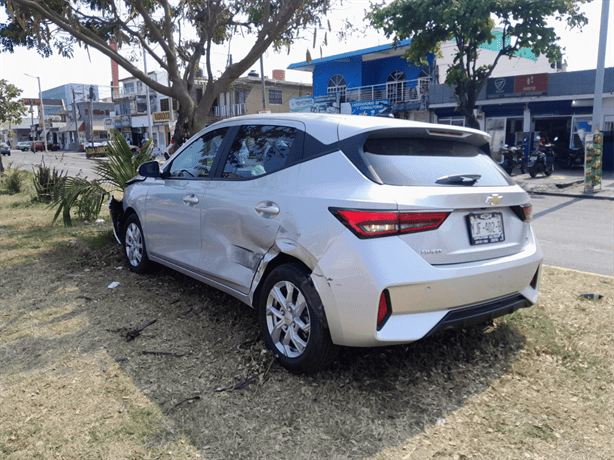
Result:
[{"x": 339, "y": 230}]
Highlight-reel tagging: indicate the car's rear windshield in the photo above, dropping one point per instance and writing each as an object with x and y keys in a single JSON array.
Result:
[{"x": 426, "y": 161}]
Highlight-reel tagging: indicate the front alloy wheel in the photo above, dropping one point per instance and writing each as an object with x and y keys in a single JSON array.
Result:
[{"x": 134, "y": 245}]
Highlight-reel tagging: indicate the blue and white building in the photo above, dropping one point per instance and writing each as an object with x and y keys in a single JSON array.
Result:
[
  {"x": 372, "y": 81},
  {"x": 526, "y": 94}
]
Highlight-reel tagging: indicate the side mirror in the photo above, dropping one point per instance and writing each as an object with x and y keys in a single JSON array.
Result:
[{"x": 150, "y": 169}]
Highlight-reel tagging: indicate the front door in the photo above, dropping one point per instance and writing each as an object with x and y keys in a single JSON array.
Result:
[{"x": 174, "y": 206}]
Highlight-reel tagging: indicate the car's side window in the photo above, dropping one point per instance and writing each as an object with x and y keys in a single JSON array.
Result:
[
  {"x": 197, "y": 158},
  {"x": 258, "y": 150}
]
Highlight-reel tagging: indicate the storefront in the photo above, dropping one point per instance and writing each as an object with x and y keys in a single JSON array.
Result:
[{"x": 557, "y": 107}]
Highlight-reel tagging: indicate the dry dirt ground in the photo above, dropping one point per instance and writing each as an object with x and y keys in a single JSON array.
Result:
[{"x": 84, "y": 367}]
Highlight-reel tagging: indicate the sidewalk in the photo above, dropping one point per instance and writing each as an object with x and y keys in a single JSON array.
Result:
[{"x": 567, "y": 183}]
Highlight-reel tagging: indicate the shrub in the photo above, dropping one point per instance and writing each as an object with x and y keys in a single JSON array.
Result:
[
  {"x": 12, "y": 181},
  {"x": 47, "y": 182},
  {"x": 88, "y": 197}
]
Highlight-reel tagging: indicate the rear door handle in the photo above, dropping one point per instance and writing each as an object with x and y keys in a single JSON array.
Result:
[
  {"x": 267, "y": 208},
  {"x": 190, "y": 199}
]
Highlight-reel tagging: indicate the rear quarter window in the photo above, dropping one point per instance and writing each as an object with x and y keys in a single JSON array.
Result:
[{"x": 422, "y": 161}]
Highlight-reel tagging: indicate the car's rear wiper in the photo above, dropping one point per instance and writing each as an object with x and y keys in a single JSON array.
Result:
[{"x": 459, "y": 179}]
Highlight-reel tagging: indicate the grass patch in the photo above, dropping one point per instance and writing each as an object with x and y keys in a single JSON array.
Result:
[
  {"x": 537, "y": 384},
  {"x": 556, "y": 400},
  {"x": 82, "y": 406},
  {"x": 27, "y": 230}
]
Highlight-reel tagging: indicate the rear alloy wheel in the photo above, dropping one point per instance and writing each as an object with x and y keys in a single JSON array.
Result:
[
  {"x": 134, "y": 245},
  {"x": 293, "y": 322}
]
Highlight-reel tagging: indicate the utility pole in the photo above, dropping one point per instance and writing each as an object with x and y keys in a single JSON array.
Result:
[
  {"x": 91, "y": 95},
  {"x": 42, "y": 108},
  {"x": 147, "y": 95},
  {"x": 74, "y": 115},
  {"x": 263, "y": 88},
  {"x": 603, "y": 34}
]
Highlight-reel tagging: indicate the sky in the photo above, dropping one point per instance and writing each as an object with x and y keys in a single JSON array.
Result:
[{"x": 580, "y": 52}]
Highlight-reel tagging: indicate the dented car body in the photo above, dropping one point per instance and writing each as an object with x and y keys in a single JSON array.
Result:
[{"x": 340, "y": 230}]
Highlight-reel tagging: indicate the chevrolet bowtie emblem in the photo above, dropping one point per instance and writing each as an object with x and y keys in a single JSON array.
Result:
[{"x": 494, "y": 199}]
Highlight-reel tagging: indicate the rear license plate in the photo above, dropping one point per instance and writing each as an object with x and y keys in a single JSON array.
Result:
[{"x": 486, "y": 228}]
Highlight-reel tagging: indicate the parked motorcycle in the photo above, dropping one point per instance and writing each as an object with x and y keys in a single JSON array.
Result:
[
  {"x": 569, "y": 158},
  {"x": 512, "y": 157},
  {"x": 541, "y": 160}
]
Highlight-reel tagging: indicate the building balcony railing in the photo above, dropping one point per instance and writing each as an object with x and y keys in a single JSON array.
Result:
[
  {"x": 399, "y": 92},
  {"x": 225, "y": 111}
]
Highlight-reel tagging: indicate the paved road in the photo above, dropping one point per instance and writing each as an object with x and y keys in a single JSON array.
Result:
[
  {"x": 74, "y": 163},
  {"x": 575, "y": 232}
]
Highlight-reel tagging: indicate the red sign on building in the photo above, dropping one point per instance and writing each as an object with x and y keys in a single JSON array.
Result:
[{"x": 531, "y": 83}]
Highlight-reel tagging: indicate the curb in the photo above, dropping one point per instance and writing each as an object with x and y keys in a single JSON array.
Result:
[
  {"x": 582, "y": 272},
  {"x": 571, "y": 195}
]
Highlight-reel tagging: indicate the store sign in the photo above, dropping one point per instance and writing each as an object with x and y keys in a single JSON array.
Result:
[
  {"x": 517, "y": 86},
  {"x": 500, "y": 87},
  {"x": 31, "y": 101},
  {"x": 593, "y": 161},
  {"x": 370, "y": 108},
  {"x": 326, "y": 103},
  {"x": 531, "y": 84},
  {"x": 161, "y": 117}
]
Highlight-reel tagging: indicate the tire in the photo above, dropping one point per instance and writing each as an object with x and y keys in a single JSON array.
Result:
[
  {"x": 549, "y": 170},
  {"x": 293, "y": 321},
  {"x": 134, "y": 245},
  {"x": 533, "y": 171},
  {"x": 509, "y": 169}
]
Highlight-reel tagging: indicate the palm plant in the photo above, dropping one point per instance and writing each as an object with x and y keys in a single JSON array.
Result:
[{"x": 87, "y": 197}]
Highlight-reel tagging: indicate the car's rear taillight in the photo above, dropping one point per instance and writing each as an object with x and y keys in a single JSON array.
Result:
[
  {"x": 369, "y": 224},
  {"x": 384, "y": 310},
  {"x": 525, "y": 212}
]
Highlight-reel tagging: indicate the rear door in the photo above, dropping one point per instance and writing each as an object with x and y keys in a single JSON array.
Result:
[{"x": 247, "y": 201}]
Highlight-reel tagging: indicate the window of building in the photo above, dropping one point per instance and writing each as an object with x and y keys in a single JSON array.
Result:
[
  {"x": 337, "y": 85},
  {"x": 580, "y": 127},
  {"x": 241, "y": 96},
  {"x": 275, "y": 97},
  {"x": 496, "y": 128},
  {"x": 129, "y": 87},
  {"x": 608, "y": 123},
  {"x": 454, "y": 121}
]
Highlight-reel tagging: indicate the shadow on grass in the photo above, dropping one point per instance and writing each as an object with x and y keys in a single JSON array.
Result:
[{"x": 368, "y": 399}]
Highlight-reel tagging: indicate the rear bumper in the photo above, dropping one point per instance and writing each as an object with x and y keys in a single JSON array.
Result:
[
  {"x": 424, "y": 299},
  {"x": 477, "y": 314}
]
